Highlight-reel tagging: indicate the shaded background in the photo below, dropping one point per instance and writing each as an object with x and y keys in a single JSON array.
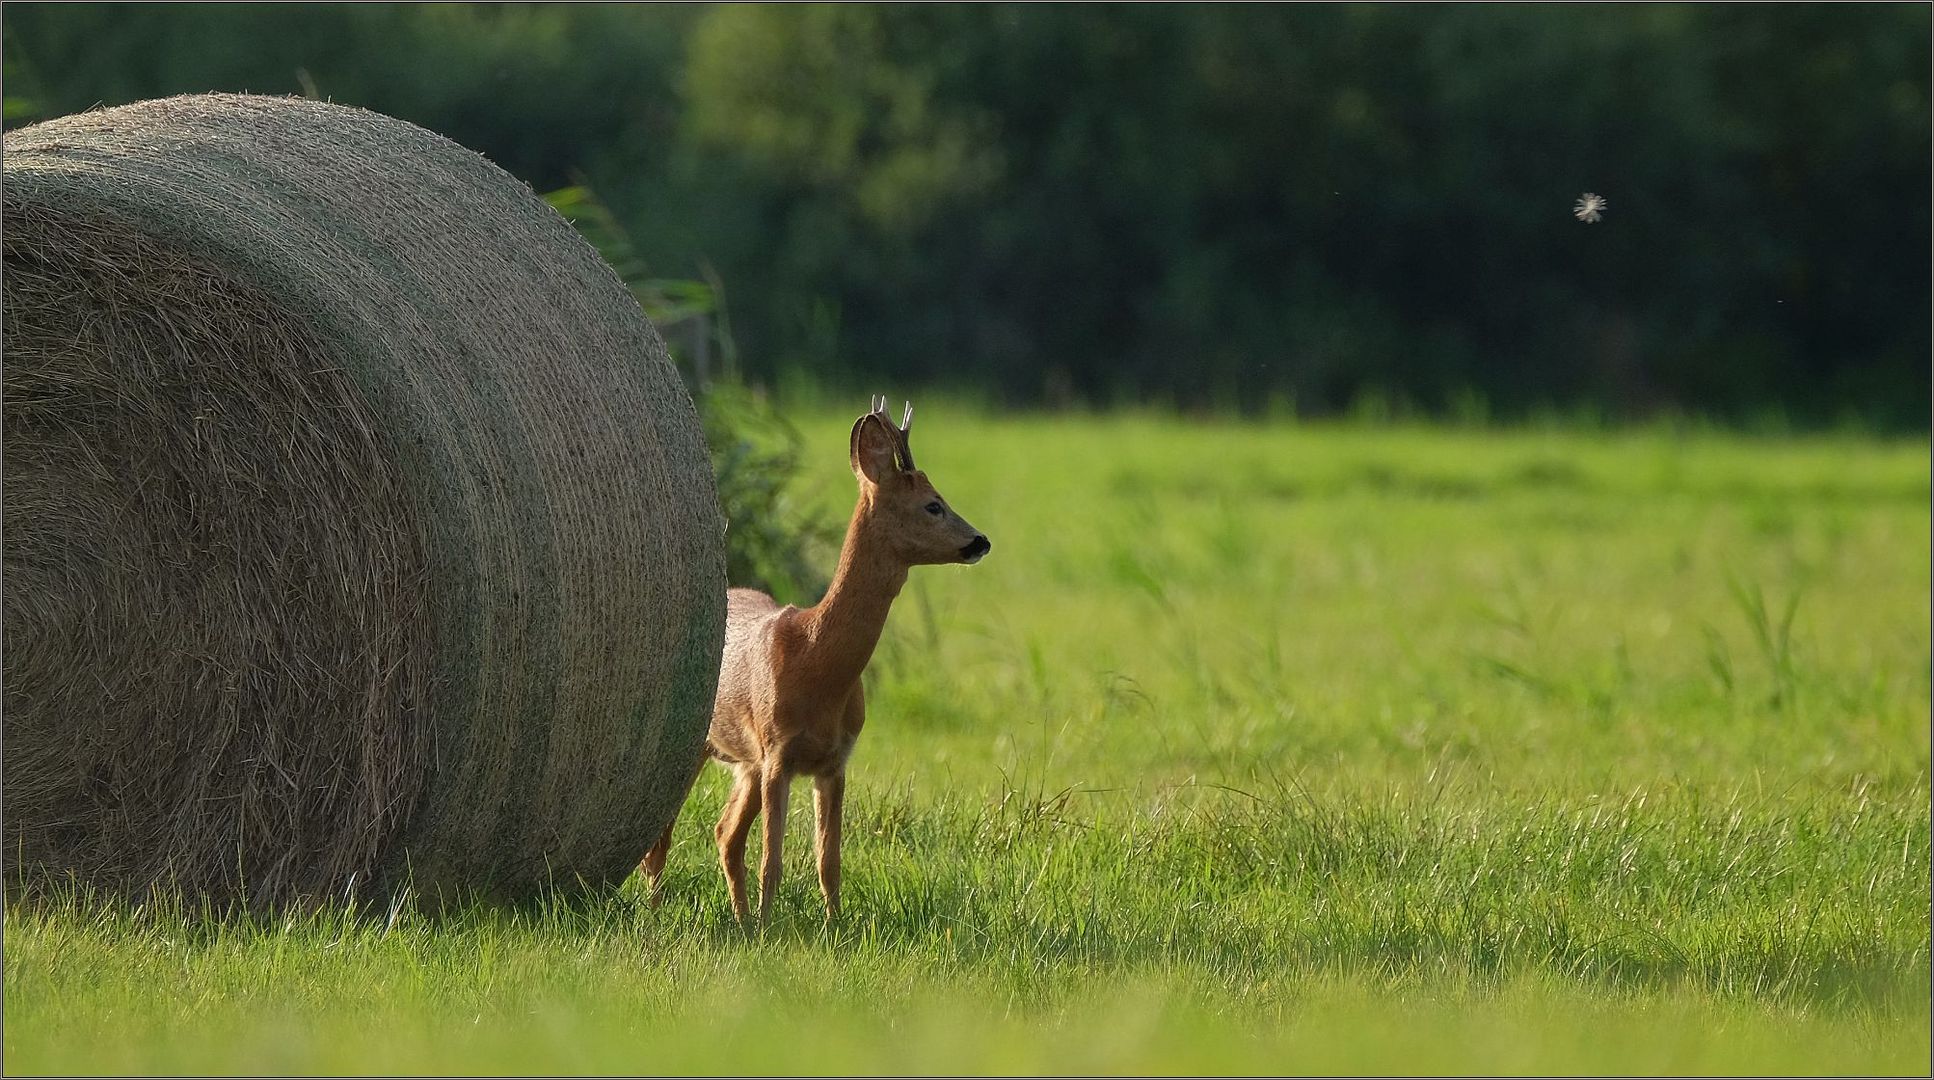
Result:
[{"x": 1318, "y": 209}]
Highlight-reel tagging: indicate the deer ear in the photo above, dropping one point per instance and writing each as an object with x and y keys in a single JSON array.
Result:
[{"x": 872, "y": 448}]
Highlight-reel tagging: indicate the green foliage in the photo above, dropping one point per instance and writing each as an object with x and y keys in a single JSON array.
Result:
[
  {"x": 531, "y": 87},
  {"x": 1199, "y": 204},
  {"x": 667, "y": 301},
  {"x": 770, "y": 540},
  {"x": 873, "y": 138},
  {"x": 774, "y": 541},
  {"x": 1204, "y": 770},
  {"x": 1206, "y": 204}
]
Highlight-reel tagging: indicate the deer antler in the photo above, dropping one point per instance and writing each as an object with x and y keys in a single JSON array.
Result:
[
  {"x": 876, "y": 407},
  {"x": 906, "y": 450}
]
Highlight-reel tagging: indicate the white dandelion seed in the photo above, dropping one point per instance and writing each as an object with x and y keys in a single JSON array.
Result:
[{"x": 1590, "y": 207}]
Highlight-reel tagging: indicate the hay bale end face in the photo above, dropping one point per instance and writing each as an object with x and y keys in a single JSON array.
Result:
[{"x": 358, "y": 529}]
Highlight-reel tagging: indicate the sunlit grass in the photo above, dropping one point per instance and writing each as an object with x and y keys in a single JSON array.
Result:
[{"x": 1250, "y": 748}]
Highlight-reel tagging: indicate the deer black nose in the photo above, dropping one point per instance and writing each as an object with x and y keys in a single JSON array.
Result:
[{"x": 975, "y": 549}]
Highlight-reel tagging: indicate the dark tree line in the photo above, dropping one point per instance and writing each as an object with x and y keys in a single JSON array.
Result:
[{"x": 1198, "y": 204}]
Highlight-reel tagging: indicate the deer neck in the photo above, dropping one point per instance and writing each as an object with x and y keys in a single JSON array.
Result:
[{"x": 845, "y": 626}]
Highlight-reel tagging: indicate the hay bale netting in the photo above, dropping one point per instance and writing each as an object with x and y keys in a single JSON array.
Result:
[{"x": 357, "y": 523}]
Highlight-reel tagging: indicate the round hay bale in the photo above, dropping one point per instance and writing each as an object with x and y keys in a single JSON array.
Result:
[{"x": 359, "y": 530}]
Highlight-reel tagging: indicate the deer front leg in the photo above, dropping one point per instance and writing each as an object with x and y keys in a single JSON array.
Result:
[
  {"x": 734, "y": 825},
  {"x": 829, "y": 793},
  {"x": 776, "y": 786}
]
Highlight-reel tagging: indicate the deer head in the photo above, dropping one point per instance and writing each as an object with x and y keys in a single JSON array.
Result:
[{"x": 911, "y": 517}]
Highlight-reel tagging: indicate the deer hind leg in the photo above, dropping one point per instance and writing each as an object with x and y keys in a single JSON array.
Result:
[
  {"x": 734, "y": 825},
  {"x": 653, "y": 865},
  {"x": 829, "y": 793},
  {"x": 777, "y": 786}
]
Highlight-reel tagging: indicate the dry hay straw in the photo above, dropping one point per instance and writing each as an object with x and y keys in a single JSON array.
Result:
[{"x": 358, "y": 529}]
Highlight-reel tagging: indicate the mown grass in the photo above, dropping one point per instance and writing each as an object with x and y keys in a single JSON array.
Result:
[{"x": 1250, "y": 748}]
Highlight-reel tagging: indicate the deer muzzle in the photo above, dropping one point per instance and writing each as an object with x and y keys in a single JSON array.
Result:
[{"x": 974, "y": 550}]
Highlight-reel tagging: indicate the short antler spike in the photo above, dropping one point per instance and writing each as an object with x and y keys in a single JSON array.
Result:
[{"x": 906, "y": 419}]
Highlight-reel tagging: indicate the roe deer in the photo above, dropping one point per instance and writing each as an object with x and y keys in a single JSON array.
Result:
[{"x": 789, "y": 698}]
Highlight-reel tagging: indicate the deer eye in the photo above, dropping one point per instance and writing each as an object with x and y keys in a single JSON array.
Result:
[{"x": 933, "y": 508}]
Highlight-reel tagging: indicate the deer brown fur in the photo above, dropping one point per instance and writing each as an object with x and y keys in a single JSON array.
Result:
[{"x": 789, "y": 699}]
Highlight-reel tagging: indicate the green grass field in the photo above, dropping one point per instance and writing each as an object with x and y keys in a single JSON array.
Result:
[{"x": 1250, "y": 748}]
